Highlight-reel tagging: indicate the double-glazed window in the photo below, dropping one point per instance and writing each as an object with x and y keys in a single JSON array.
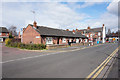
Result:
[
  {"x": 99, "y": 34},
  {"x": 49, "y": 40},
  {"x": 6, "y": 33},
  {"x": 77, "y": 40},
  {"x": 0, "y": 33},
  {"x": 63, "y": 40}
]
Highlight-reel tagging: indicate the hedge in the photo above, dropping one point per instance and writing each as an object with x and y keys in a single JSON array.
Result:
[{"x": 9, "y": 43}]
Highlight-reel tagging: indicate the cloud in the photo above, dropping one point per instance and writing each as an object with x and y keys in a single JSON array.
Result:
[
  {"x": 58, "y": 0},
  {"x": 56, "y": 15},
  {"x": 113, "y": 8},
  {"x": 47, "y": 14}
]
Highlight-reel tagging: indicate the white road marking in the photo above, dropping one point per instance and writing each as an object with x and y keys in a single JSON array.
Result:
[{"x": 28, "y": 57}]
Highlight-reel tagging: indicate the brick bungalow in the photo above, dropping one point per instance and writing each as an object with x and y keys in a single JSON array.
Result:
[
  {"x": 45, "y": 35},
  {"x": 3, "y": 34}
]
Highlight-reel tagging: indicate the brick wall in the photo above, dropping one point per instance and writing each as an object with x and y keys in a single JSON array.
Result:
[{"x": 29, "y": 35}]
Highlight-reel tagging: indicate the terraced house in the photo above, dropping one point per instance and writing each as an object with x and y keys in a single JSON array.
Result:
[
  {"x": 45, "y": 35},
  {"x": 95, "y": 35},
  {"x": 3, "y": 34}
]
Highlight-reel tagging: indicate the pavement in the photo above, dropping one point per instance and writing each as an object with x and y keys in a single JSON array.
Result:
[{"x": 72, "y": 62}]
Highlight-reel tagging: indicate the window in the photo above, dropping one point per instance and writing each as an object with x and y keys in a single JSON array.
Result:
[
  {"x": 87, "y": 35},
  {"x": 85, "y": 40},
  {"x": 70, "y": 40},
  {"x": 1, "y": 39},
  {"x": 6, "y": 33},
  {"x": 49, "y": 40},
  {"x": 77, "y": 40},
  {"x": 81, "y": 39},
  {"x": 99, "y": 34},
  {"x": 90, "y": 35},
  {"x": 63, "y": 40},
  {"x": 0, "y": 33},
  {"x": 84, "y": 32}
]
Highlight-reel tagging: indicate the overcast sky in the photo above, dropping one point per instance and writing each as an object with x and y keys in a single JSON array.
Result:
[{"x": 63, "y": 15}]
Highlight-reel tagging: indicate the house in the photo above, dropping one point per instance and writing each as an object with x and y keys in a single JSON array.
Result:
[
  {"x": 3, "y": 34},
  {"x": 95, "y": 35},
  {"x": 112, "y": 37},
  {"x": 45, "y": 35}
]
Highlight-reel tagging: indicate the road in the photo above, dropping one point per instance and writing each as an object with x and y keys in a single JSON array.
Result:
[{"x": 69, "y": 64}]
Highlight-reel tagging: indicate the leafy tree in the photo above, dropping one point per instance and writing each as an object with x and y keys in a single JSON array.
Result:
[{"x": 10, "y": 35}]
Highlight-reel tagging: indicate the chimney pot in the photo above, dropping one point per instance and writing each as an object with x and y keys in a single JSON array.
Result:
[
  {"x": 67, "y": 29},
  {"x": 88, "y": 27},
  {"x": 73, "y": 30},
  {"x": 77, "y": 30},
  {"x": 103, "y": 25},
  {"x": 35, "y": 24}
]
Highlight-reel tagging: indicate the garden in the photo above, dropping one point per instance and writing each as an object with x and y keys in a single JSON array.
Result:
[{"x": 11, "y": 43}]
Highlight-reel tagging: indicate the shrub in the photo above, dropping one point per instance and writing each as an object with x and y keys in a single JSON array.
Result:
[
  {"x": 10, "y": 35},
  {"x": 8, "y": 41},
  {"x": 25, "y": 46}
]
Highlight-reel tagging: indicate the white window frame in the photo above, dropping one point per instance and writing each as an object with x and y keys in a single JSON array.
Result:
[
  {"x": 87, "y": 35},
  {"x": 77, "y": 40},
  {"x": 0, "y": 33},
  {"x": 6, "y": 33},
  {"x": 99, "y": 34},
  {"x": 70, "y": 40},
  {"x": 49, "y": 40},
  {"x": 63, "y": 40},
  {"x": 90, "y": 35},
  {"x": 1, "y": 39},
  {"x": 86, "y": 40}
]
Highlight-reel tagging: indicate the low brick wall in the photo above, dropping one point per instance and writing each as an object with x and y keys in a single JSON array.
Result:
[
  {"x": 56, "y": 46},
  {"x": 76, "y": 44},
  {"x": 86, "y": 43}
]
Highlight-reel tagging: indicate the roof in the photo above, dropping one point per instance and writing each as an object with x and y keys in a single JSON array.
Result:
[
  {"x": 112, "y": 35},
  {"x": 3, "y": 30},
  {"x": 92, "y": 30},
  {"x": 46, "y": 31}
]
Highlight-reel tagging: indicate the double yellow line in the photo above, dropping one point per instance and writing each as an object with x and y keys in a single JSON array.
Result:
[{"x": 97, "y": 71}]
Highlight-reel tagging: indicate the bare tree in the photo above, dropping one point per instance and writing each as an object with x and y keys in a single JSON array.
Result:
[
  {"x": 109, "y": 32},
  {"x": 12, "y": 30}
]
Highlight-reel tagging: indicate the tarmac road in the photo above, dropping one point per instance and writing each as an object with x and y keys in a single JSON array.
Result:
[{"x": 69, "y": 64}]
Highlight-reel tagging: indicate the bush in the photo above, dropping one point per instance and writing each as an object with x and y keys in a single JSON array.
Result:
[
  {"x": 26, "y": 46},
  {"x": 10, "y": 35},
  {"x": 8, "y": 41}
]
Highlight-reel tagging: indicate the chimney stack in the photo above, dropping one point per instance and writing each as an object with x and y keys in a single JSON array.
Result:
[
  {"x": 67, "y": 29},
  {"x": 24, "y": 29},
  {"x": 73, "y": 30},
  {"x": 35, "y": 24},
  {"x": 77, "y": 30},
  {"x": 88, "y": 27},
  {"x": 103, "y": 25}
]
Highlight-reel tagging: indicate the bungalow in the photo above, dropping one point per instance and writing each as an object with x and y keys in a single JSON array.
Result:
[
  {"x": 3, "y": 34},
  {"x": 45, "y": 35}
]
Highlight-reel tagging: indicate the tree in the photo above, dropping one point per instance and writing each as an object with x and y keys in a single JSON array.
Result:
[
  {"x": 10, "y": 35},
  {"x": 12, "y": 30}
]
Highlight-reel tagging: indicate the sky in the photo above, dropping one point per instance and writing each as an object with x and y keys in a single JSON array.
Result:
[{"x": 60, "y": 14}]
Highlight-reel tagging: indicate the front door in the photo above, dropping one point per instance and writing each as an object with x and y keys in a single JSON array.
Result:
[{"x": 58, "y": 40}]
